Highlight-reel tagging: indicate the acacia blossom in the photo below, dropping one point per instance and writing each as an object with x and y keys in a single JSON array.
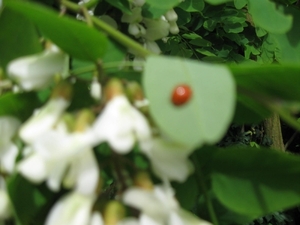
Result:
[
  {"x": 8, "y": 150},
  {"x": 37, "y": 71},
  {"x": 169, "y": 160},
  {"x": 121, "y": 125},
  {"x": 159, "y": 207},
  {"x": 74, "y": 209}
]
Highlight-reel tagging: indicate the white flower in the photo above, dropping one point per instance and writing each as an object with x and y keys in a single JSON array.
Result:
[
  {"x": 5, "y": 207},
  {"x": 36, "y": 71},
  {"x": 74, "y": 209},
  {"x": 134, "y": 17},
  {"x": 8, "y": 150},
  {"x": 152, "y": 46},
  {"x": 120, "y": 124},
  {"x": 169, "y": 160},
  {"x": 156, "y": 29},
  {"x": 43, "y": 120},
  {"x": 59, "y": 156},
  {"x": 159, "y": 207}
]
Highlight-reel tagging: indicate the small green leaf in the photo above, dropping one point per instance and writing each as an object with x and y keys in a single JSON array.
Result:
[
  {"x": 289, "y": 44},
  {"x": 269, "y": 18},
  {"x": 156, "y": 8},
  {"x": 255, "y": 181},
  {"x": 206, "y": 116},
  {"x": 123, "y": 5},
  {"x": 71, "y": 36},
  {"x": 192, "y": 5},
  {"x": 239, "y": 4}
]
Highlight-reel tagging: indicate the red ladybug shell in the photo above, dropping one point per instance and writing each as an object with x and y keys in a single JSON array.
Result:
[{"x": 181, "y": 94}]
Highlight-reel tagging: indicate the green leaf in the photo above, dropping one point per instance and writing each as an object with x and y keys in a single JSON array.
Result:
[
  {"x": 31, "y": 203},
  {"x": 20, "y": 105},
  {"x": 255, "y": 181},
  {"x": 248, "y": 111},
  {"x": 156, "y": 8},
  {"x": 206, "y": 116},
  {"x": 123, "y": 5},
  {"x": 269, "y": 18},
  {"x": 71, "y": 36},
  {"x": 217, "y": 2},
  {"x": 192, "y": 5},
  {"x": 289, "y": 44},
  {"x": 12, "y": 44},
  {"x": 276, "y": 82},
  {"x": 239, "y": 4},
  {"x": 187, "y": 199}
]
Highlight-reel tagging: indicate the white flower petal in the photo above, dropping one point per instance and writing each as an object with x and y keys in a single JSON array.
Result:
[
  {"x": 189, "y": 218},
  {"x": 8, "y": 127},
  {"x": 96, "y": 219},
  {"x": 170, "y": 160},
  {"x": 120, "y": 124},
  {"x": 34, "y": 168},
  {"x": 56, "y": 171},
  {"x": 147, "y": 202},
  {"x": 5, "y": 210},
  {"x": 73, "y": 209},
  {"x": 156, "y": 29},
  {"x": 8, "y": 158},
  {"x": 83, "y": 173},
  {"x": 44, "y": 120},
  {"x": 35, "y": 71}
]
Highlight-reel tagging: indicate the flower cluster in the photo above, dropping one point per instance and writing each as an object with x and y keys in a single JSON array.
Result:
[
  {"x": 59, "y": 147},
  {"x": 149, "y": 30}
]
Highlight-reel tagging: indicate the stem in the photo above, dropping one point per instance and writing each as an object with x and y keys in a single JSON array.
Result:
[
  {"x": 202, "y": 185},
  {"x": 115, "y": 34},
  {"x": 121, "y": 38}
]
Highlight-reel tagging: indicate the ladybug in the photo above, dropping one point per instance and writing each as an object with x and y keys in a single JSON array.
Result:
[{"x": 181, "y": 94}]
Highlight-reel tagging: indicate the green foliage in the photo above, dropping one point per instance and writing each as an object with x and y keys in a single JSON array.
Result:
[
  {"x": 265, "y": 179},
  {"x": 203, "y": 119},
  {"x": 12, "y": 44},
  {"x": 65, "y": 32},
  {"x": 270, "y": 18},
  {"x": 20, "y": 105},
  {"x": 30, "y": 202}
]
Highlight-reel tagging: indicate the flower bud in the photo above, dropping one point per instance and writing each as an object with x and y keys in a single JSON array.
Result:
[
  {"x": 36, "y": 71},
  {"x": 143, "y": 180},
  {"x": 62, "y": 90},
  {"x": 171, "y": 15},
  {"x": 113, "y": 213},
  {"x": 96, "y": 89},
  {"x": 113, "y": 88},
  {"x": 134, "y": 91},
  {"x": 83, "y": 120}
]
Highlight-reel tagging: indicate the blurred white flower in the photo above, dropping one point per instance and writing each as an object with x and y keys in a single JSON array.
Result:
[
  {"x": 5, "y": 207},
  {"x": 134, "y": 17},
  {"x": 152, "y": 46},
  {"x": 36, "y": 71},
  {"x": 62, "y": 157},
  {"x": 43, "y": 120},
  {"x": 121, "y": 125},
  {"x": 74, "y": 209},
  {"x": 169, "y": 160},
  {"x": 159, "y": 207},
  {"x": 8, "y": 150},
  {"x": 156, "y": 29}
]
